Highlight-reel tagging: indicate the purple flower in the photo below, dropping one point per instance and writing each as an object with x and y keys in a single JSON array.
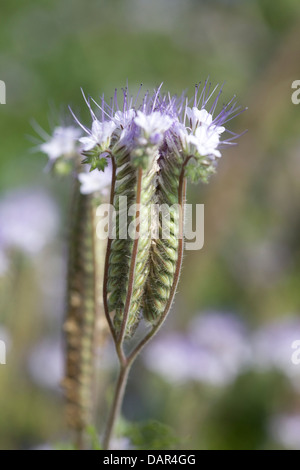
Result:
[
  {"x": 124, "y": 118},
  {"x": 153, "y": 125},
  {"x": 28, "y": 220},
  {"x": 272, "y": 346},
  {"x": 214, "y": 351},
  {"x": 172, "y": 356},
  {"x": 100, "y": 134},
  {"x": 198, "y": 130},
  {"x": 224, "y": 337},
  {"x": 161, "y": 125},
  {"x": 46, "y": 364}
]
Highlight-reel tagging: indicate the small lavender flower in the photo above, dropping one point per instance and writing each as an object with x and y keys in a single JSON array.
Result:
[
  {"x": 95, "y": 181},
  {"x": 153, "y": 126},
  {"x": 197, "y": 132},
  {"x": 206, "y": 141},
  {"x": 123, "y": 119},
  {"x": 203, "y": 137},
  {"x": 199, "y": 117},
  {"x": 62, "y": 143},
  {"x": 99, "y": 135}
]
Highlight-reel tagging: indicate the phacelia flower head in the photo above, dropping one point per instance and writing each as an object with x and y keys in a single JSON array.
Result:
[
  {"x": 161, "y": 125},
  {"x": 156, "y": 127},
  {"x": 139, "y": 130},
  {"x": 61, "y": 148}
]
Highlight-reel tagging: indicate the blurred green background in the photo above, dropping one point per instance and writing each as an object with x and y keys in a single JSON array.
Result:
[{"x": 250, "y": 264}]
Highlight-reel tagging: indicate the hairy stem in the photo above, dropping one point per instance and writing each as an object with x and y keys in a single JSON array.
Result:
[
  {"x": 116, "y": 405},
  {"x": 133, "y": 262},
  {"x": 109, "y": 241}
]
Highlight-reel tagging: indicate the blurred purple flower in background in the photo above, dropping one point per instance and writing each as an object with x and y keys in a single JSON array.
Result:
[
  {"x": 28, "y": 220},
  {"x": 63, "y": 142},
  {"x": 272, "y": 347},
  {"x": 46, "y": 364},
  {"x": 285, "y": 429},
  {"x": 173, "y": 357},
  {"x": 223, "y": 336},
  {"x": 214, "y": 351}
]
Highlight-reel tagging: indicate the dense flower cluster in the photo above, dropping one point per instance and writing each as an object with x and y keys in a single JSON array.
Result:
[
  {"x": 146, "y": 146},
  {"x": 162, "y": 123},
  {"x": 168, "y": 124}
]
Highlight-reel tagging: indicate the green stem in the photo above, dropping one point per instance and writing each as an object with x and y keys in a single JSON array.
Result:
[
  {"x": 109, "y": 241},
  {"x": 116, "y": 405}
]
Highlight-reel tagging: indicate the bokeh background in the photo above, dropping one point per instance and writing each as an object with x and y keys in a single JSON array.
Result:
[{"x": 220, "y": 373}]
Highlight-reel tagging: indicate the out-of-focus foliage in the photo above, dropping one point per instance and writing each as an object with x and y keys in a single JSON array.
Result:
[{"x": 250, "y": 264}]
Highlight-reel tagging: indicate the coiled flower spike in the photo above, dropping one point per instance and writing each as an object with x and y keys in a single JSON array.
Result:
[
  {"x": 153, "y": 148},
  {"x": 84, "y": 328}
]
